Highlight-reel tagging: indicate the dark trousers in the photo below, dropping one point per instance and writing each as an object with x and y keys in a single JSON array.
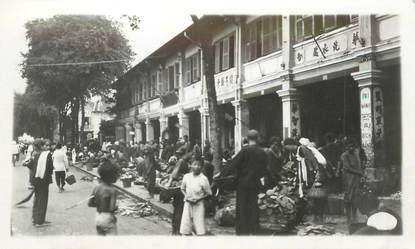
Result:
[
  {"x": 40, "y": 202},
  {"x": 178, "y": 205},
  {"x": 60, "y": 178},
  {"x": 247, "y": 212}
]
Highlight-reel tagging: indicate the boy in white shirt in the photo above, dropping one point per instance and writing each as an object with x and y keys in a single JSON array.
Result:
[{"x": 195, "y": 188}]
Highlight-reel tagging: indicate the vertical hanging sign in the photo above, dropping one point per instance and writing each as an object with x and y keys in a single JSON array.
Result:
[
  {"x": 366, "y": 116},
  {"x": 378, "y": 113}
]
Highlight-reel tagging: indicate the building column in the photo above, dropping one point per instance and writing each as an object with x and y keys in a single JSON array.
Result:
[
  {"x": 290, "y": 112},
  {"x": 163, "y": 125},
  {"x": 127, "y": 133},
  {"x": 138, "y": 137},
  {"x": 241, "y": 122},
  {"x": 205, "y": 126},
  {"x": 371, "y": 116},
  {"x": 183, "y": 123},
  {"x": 149, "y": 130}
]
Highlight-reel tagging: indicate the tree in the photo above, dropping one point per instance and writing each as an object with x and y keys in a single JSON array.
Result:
[
  {"x": 71, "y": 58},
  {"x": 204, "y": 39}
]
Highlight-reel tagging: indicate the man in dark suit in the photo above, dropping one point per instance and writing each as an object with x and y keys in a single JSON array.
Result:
[
  {"x": 250, "y": 164},
  {"x": 41, "y": 176}
]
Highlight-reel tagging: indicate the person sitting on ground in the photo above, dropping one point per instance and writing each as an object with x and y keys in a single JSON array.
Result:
[
  {"x": 104, "y": 199},
  {"x": 195, "y": 188}
]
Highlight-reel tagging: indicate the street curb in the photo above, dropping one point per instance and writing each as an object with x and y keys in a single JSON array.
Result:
[{"x": 159, "y": 209}]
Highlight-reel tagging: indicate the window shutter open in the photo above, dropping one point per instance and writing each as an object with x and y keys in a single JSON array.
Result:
[
  {"x": 225, "y": 54},
  {"x": 176, "y": 75},
  {"x": 232, "y": 51},
  {"x": 217, "y": 57}
]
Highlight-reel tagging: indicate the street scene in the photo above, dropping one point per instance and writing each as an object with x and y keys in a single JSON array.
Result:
[{"x": 234, "y": 125}]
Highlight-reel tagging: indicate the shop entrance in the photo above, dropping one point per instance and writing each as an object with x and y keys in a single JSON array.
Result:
[
  {"x": 143, "y": 132},
  {"x": 155, "y": 123},
  {"x": 195, "y": 131},
  {"x": 330, "y": 106},
  {"x": 173, "y": 128},
  {"x": 228, "y": 126},
  {"x": 265, "y": 116}
]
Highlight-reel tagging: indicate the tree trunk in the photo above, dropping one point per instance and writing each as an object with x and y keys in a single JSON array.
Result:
[
  {"x": 74, "y": 114},
  {"x": 81, "y": 135},
  {"x": 215, "y": 129}
]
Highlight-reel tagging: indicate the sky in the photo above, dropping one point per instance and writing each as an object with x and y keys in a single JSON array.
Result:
[{"x": 154, "y": 31}]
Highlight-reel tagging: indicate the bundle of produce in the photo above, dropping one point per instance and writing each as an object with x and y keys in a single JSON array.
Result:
[
  {"x": 174, "y": 187},
  {"x": 315, "y": 230},
  {"x": 135, "y": 209},
  {"x": 281, "y": 208},
  {"x": 140, "y": 181},
  {"x": 87, "y": 178},
  {"x": 226, "y": 216}
]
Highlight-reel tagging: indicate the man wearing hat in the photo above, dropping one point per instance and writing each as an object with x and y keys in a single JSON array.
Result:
[{"x": 250, "y": 164}]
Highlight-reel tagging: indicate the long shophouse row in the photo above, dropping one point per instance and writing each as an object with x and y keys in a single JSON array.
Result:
[{"x": 282, "y": 75}]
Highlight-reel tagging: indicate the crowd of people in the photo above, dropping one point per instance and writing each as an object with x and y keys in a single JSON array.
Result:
[{"x": 334, "y": 167}]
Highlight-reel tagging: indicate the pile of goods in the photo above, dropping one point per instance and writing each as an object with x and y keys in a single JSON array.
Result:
[
  {"x": 226, "y": 214},
  {"x": 396, "y": 196},
  {"x": 135, "y": 209},
  {"x": 281, "y": 208},
  {"x": 315, "y": 230},
  {"x": 129, "y": 173},
  {"x": 87, "y": 178}
]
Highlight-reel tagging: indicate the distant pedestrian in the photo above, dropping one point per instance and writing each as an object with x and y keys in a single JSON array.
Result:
[
  {"x": 104, "y": 198},
  {"x": 195, "y": 188},
  {"x": 150, "y": 167},
  {"x": 60, "y": 165},
  {"x": 15, "y": 153},
  {"x": 250, "y": 165},
  {"x": 41, "y": 177}
]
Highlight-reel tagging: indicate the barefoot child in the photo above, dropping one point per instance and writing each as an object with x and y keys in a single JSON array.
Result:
[
  {"x": 105, "y": 197},
  {"x": 195, "y": 188}
]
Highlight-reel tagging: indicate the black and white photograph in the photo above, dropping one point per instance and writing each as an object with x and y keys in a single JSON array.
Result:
[{"x": 185, "y": 124}]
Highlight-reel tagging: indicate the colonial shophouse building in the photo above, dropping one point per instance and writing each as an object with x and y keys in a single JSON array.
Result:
[{"x": 282, "y": 75}]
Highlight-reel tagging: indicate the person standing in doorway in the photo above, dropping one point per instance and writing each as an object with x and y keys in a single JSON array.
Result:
[
  {"x": 351, "y": 167},
  {"x": 250, "y": 164},
  {"x": 60, "y": 164},
  {"x": 41, "y": 177}
]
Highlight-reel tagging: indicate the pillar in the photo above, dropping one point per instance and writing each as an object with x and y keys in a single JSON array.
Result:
[
  {"x": 241, "y": 122},
  {"x": 290, "y": 112},
  {"x": 138, "y": 137},
  {"x": 371, "y": 115},
  {"x": 127, "y": 132},
  {"x": 205, "y": 125},
  {"x": 287, "y": 42},
  {"x": 149, "y": 130},
  {"x": 183, "y": 123},
  {"x": 163, "y": 125}
]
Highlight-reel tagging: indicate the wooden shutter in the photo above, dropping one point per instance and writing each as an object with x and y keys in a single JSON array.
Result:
[
  {"x": 217, "y": 57},
  {"x": 187, "y": 71},
  {"x": 329, "y": 22},
  {"x": 225, "y": 54},
  {"x": 232, "y": 51},
  {"x": 176, "y": 75},
  {"x": 159, "y": 82},
  {"x": 165, "y": 80},
  {"x": 299, "y": 31},
  {"x": 318, "y": 25},
  {"x": 171, "y": 78}
]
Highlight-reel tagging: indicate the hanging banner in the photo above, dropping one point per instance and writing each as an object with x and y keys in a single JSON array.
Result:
[{"x": 366, "y": 116}]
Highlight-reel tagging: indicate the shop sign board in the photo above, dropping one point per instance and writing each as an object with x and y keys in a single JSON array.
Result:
[{"x": 366, "y": 116}]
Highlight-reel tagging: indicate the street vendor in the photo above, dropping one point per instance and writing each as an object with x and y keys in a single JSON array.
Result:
[
  {"x": 250, "y": 164},
  {"x": 179, "y": 170},
  {"x": 151, "y": 165}
]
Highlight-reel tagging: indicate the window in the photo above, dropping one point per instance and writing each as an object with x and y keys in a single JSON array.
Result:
[
  {"x": 153, "y": 84},
  {"x": 271, "y": 34},
  {"x": 148, "y": 88},
  {"x": 171, "y": 78},
  {"x": 140, "y": 92},
  {"x": 263, "y": 36},
  {"x": 308, "y": 26},
  {"x": 176, "y": 74},
  {"x": 187, "y": 71},
  {"x": 196, "y": 67},
  {"x": 224, "y": 53},
  {"x": 164, "y": 80},
  {"x": 192, "y": 69}
]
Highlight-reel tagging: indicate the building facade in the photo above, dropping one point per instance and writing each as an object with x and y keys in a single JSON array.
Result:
[{"x": 282, "y": 75}]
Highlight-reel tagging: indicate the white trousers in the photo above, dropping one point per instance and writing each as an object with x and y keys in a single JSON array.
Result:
[{"x": 193, "y": 216}]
